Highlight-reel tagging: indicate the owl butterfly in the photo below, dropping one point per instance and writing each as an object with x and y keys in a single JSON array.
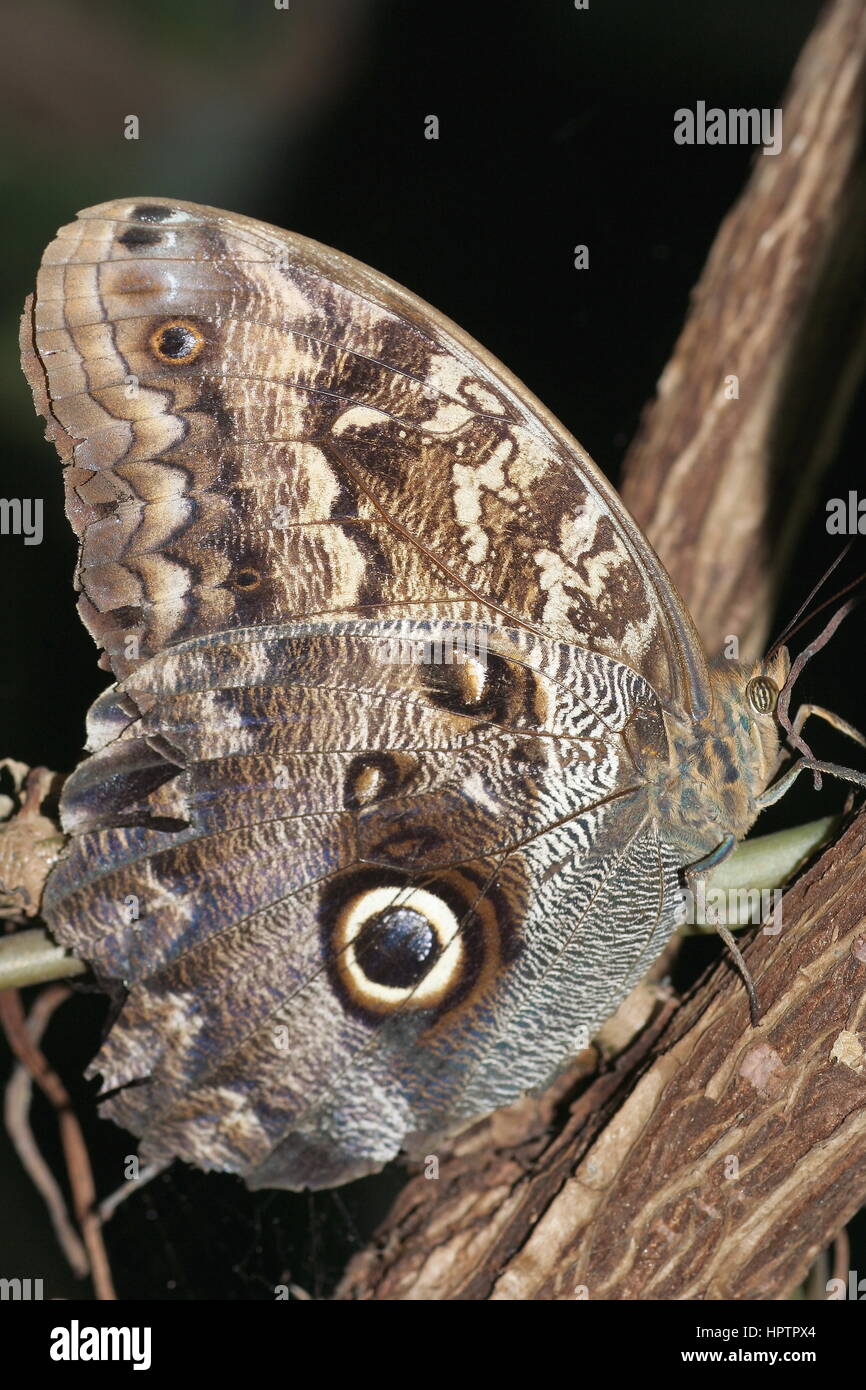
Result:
[{"x": 412, "y": 737}]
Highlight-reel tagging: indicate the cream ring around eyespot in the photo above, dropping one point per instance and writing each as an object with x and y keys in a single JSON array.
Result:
[{"x": 440, "y": 980}]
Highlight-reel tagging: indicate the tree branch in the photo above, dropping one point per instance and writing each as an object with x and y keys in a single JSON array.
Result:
[{"x": 781, "y": 306}]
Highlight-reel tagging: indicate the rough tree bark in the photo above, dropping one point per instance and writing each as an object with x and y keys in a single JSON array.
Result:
[{"x": 706, "y": 1159}]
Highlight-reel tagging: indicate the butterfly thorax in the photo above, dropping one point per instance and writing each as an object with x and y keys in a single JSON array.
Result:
[{"x": 719, "y": 766}]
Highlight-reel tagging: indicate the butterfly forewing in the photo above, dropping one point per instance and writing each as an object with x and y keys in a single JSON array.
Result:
[{"x": 322, "y": 443}]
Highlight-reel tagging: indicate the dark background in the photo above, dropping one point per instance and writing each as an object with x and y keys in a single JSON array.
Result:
[{"x": 556, "y": 128}]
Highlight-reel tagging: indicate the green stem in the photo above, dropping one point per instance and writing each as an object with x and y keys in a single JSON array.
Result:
[{"x": 32, "y": 958}]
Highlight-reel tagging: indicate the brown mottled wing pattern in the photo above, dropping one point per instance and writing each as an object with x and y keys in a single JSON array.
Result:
[
  {"x": 259, "y": 429},
  {"x": 356, "y": 898}
]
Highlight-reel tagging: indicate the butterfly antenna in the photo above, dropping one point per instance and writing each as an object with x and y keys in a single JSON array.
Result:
[
  {"x": 791, "y": 631},
  {"x": 794, "y": 625}
]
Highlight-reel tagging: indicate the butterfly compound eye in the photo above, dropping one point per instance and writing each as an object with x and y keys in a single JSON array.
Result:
[{"x": 762, "y": 694}]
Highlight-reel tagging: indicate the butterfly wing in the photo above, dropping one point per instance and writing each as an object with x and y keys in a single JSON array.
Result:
[{"x": 354, "y": 898}]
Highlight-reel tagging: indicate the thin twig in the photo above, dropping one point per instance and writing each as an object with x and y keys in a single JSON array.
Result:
[
  {"x": 19, "y": 1094},
  {"x": 75, "y": 1150},
  {"x": 108, "y": 1206}
]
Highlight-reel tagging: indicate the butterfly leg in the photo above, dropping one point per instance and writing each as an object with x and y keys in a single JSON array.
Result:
[
  {"x": 829, "y": 717},
  {"x": 702, "y": 866},
  {"x": 796, "y": 727},
  {"x": 774, "y": 793},
  {"x": 713, "y": 859}
]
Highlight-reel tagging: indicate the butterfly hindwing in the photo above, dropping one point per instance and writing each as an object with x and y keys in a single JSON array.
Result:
[{"x": 514, "y": 819}]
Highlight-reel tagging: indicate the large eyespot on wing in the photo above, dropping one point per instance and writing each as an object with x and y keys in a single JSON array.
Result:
[
  {"x": 258, "y": 428},
  {"x": 395, "y": 947}
]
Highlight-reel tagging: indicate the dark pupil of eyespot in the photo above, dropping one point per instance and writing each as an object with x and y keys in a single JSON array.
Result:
[
  {"x": 397, "y": 948},
  {"x": 177, "y": 341}
]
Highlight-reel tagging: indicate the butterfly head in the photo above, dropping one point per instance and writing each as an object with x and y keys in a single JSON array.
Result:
[{"x": 752, "y": 717}]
